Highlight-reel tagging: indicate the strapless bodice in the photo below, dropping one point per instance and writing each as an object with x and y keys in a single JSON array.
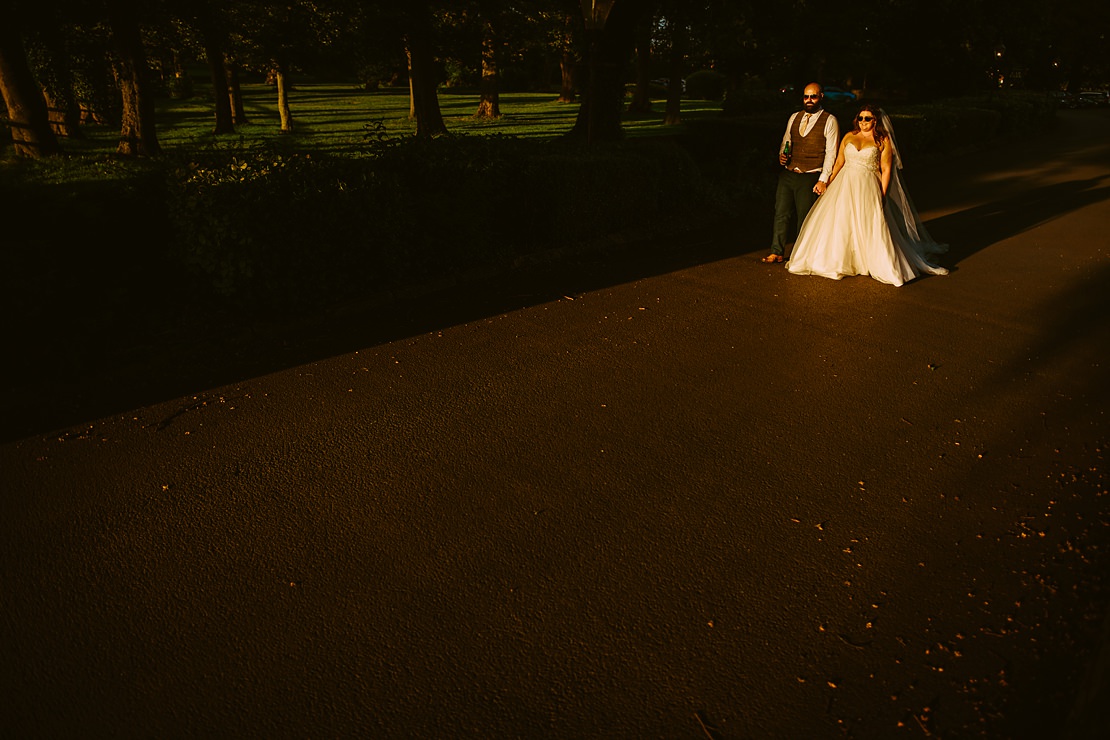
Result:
[{"x": 867, "y": 158}]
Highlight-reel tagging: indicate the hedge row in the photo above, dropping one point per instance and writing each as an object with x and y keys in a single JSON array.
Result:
[
  {"x": 933, "y": 128},
  {"x": 279, "y": 230}
]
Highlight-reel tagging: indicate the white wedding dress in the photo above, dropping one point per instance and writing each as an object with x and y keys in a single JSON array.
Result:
[{"x": 847, "y": 231}]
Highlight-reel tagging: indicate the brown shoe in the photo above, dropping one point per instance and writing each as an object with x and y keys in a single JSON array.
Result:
[{"x": 773, "y": 258}]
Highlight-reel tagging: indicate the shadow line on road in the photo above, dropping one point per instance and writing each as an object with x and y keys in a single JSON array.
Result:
[
  {"x": 72, "y": 394},
  {"x": 69, "y": 382},
  {"x": 973, "y": 229}
]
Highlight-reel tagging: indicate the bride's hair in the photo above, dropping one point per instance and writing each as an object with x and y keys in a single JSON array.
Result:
[{"x": 880, "y": 131}]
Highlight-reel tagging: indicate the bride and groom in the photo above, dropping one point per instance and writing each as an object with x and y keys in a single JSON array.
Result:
[{"x": 863, "y": 223}]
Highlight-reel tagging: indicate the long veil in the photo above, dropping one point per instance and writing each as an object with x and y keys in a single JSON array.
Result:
[{"x": 900, "y": 211}]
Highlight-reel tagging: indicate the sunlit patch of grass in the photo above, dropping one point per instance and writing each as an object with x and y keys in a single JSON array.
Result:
[
  {"x": 328, "y": 118},
  {"x": 335, "y": 118}
]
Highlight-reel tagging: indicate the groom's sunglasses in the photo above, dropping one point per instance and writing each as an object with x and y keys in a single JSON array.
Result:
[
  {"x": 811, "y": 97},
  {"x": 865, "y": 118}
]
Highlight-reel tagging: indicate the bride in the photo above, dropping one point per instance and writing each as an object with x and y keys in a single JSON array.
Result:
[{"x": 865, "y": 224}]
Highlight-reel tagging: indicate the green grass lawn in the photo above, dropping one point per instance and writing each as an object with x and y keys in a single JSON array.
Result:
[{"x": 334, "y": 118}]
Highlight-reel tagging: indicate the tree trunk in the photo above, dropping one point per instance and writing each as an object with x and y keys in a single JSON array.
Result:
[
  {"x": 412, "y": 94},
  {"x": 429, "y": 119},
  {"x": 224, "y": 122},
  {"x": 489, "y": 102},
  {"x": 566, "y": 67},
  {"x": 91, "y": 116},
  {"x": 235, "y": 93},
  {"x": 641, "y": 94},
  {"x": 217, "y": 70},
  {"x": 138, "y": 137},
  {"x": 677, "y": 29},
  {"x": 182, "y": 85},
  {"x": 599, "y": 117},
  {"x": 281, "y": 75},
  {"x": 31, "y": 133},
  {"x": 567, "y": 62},
  {"x": 63, "y": 111}
]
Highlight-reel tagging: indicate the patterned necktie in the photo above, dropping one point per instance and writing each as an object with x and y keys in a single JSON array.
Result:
[{"x": 805, "y": 124}]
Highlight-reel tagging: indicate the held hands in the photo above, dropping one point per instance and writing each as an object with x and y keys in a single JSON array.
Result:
[{"x": 820, "y": 188}]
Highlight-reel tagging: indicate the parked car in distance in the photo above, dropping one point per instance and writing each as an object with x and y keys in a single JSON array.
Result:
[
  {"x": 1094, "y": 98},
  {"x": 838, "y": 95},
  {"x": 1064, "y": 99},
  {"x": 832, "y": 94}
]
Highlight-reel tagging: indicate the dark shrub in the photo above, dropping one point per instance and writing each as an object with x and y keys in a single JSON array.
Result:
[
  {"x": 281, "y": 231},
  {"x": 706, "y": 84}
]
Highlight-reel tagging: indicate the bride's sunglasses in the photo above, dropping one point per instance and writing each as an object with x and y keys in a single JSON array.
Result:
[{"x": 865, "y": 118}]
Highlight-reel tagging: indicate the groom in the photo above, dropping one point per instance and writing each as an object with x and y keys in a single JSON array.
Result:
[{"x": 814, "y": 137}]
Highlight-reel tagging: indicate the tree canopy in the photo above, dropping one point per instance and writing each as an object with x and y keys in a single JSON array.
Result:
[{"x": 102, "y": 59}]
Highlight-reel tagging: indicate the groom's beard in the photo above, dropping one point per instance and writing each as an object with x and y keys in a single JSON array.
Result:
[{"x": 810, "y": 107}]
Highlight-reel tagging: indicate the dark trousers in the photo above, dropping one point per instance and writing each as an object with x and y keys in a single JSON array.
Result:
[{"x": 793, "y": 197}]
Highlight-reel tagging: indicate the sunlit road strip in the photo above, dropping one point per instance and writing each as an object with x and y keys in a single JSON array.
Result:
[{"x": 725, "y": 500}]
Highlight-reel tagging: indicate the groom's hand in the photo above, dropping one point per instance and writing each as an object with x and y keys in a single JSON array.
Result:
[{"x": 819, "y": 188}]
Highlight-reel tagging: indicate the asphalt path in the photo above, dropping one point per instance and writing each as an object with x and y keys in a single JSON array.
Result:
[{"x": 699, "y": 497}]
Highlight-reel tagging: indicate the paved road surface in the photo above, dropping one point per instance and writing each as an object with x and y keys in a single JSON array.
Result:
[{"x": 718, "y": 501}]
